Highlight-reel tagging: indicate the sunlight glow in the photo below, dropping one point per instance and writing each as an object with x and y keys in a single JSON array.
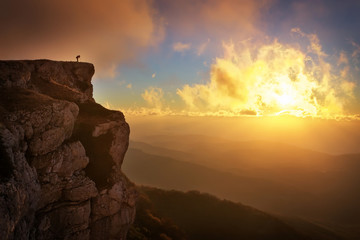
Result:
[
  {"x": 285, "y": 100},
  {"x": 272, "y": 79}
]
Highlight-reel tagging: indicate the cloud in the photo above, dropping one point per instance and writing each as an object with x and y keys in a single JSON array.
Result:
[
  {"x": 108, "y": 105},
  {"x": 120, "y": 83},
  {"x": 123, "y": 82},
  {"x": 107, "y": 33},
  {"x": 214, "y": 19},
  {"x": 154, "y": 97},
  {"x": 146, "y": 111},
  {"x": 156, "y": 102},
  {"x": 153, "y": 75},
  {"x": 342, "y": 59},
  {"x": 356, "y": 51},
  {"x": 272, "y": 78},
  {"x": 315, "y": 45},
  {"x": 181, "y": 47},
  {"x": 201, "y": 49}
]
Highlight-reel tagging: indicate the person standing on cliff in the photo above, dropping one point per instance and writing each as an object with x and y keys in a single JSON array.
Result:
[{"x": 77, "y": 58}]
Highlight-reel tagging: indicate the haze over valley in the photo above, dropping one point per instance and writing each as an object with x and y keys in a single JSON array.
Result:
[{"x": 279, "y": 178}]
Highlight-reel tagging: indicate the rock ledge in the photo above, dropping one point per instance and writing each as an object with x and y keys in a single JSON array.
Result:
[{"x": 60, "y": 155}]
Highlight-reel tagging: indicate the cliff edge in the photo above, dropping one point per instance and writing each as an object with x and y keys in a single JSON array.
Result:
[{"x": 60, "y": 155}]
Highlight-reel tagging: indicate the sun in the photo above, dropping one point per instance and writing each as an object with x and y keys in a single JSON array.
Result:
[{"x": 284, "y": 100}]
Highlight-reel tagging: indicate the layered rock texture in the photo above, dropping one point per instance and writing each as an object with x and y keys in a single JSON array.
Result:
[{"x": 60, "y": 156}]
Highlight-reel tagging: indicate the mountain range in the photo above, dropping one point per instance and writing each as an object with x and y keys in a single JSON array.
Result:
[{"x": 277, "y": 178}]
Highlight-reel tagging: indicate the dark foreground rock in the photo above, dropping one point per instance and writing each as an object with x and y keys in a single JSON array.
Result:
[{"x": 60, "y": 156}]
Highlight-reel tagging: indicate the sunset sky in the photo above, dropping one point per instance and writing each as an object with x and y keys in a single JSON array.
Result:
[{"x": 205, "y": 57}]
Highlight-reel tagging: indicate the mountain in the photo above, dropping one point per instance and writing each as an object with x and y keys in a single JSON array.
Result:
[
  {"x": 237, "y": 155},
  {"x": 60, "y": 155},
  {"x": 193, "y": 215},
  {"x": 324, "y": 191},
  {"x": 169, "y": 173}
]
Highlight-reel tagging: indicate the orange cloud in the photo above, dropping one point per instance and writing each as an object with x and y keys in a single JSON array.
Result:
[
  {"x": 181, "y": 47},
  {"x": 356, "y": 51},
  {"x": 272, "y": 79},
  {"x": 154, "y": 97},
  {"x": 105, "y": 32},
  {"x": 202, "y": 47},
  {"x": 212, "y": 18}
]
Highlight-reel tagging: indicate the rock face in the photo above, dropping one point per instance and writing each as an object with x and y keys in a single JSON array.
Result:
[{"x": 60, "y": 155}]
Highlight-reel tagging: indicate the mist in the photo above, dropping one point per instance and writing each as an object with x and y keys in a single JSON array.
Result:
[{"x": 329, "y": 136}]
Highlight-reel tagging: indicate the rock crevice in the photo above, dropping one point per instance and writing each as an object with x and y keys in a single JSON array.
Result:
[{"x": 61, "y": 155}]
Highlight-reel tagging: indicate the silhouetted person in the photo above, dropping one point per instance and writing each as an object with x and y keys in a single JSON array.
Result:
[{"x": 77, "y": 58}]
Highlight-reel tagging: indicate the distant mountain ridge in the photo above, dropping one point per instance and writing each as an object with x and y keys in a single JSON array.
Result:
[
  {"x": 324, "y": 188},
  {"x": 193, "y": 215}
]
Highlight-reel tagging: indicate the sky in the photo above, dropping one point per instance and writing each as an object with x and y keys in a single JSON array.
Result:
[{"x": 203, "y": 57}]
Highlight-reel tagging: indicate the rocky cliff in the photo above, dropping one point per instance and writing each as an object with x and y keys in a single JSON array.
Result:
[{"x": 60, "y": 155}]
